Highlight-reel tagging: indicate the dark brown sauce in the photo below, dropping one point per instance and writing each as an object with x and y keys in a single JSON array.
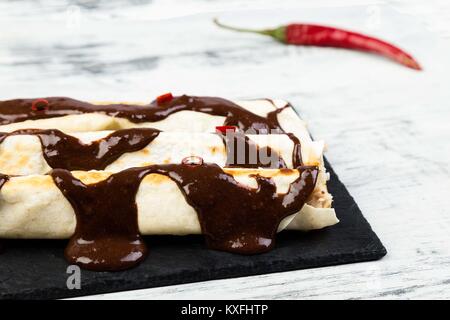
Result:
[
  {"x": 233, "y": 217},
  {"x": 67, "y": 152}
]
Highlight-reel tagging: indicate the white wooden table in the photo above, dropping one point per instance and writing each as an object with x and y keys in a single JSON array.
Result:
[{"x": 387, "y": 127}]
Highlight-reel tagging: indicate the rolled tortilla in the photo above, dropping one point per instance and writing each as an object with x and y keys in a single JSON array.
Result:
[
  {"x": 183, "y": 121},
  {"x": 32, "y": 207},
  {"x": 23, "y": 155}
]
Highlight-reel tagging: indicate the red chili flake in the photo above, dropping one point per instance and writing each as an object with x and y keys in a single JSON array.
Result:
[
  {"x": 164, "y": 98},
  {"x": 224, "y": 129},
  {"x": 39, "y": 105},
  {"x": 192, "y": 161}
]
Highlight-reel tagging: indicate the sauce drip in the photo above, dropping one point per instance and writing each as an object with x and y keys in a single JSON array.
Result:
[
  {"x": 233, "y": 217},
  {"x": 67, "y": 152},
  {"x": 106, "y": 236},
  {"x": 296, "y": 153}
]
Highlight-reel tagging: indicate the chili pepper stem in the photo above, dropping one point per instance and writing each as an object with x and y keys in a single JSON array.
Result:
[{"x": 277, "y": 33}]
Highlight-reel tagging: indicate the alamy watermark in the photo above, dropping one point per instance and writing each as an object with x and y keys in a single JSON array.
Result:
[
  {"x": 74, "y": 279},
  {"x": 249, "y": 148}
]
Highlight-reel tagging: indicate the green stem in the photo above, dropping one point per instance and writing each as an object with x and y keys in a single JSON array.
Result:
[
  {"x": 277, "y": 33},
  {"x": 224, "y": 26}
]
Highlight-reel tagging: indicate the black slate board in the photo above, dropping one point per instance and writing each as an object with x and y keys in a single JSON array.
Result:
[{"x": 32, "y": 269}]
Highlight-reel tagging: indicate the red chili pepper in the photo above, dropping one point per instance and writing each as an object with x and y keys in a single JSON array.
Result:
[
  {"x": 39, "y": 105},
  {"x": 323, "y": 36},
  {"x": 164, "y": 98},
  {"x": 224, "y": 129}
]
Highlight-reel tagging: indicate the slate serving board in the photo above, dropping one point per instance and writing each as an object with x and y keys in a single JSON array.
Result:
[{"x": 36, "y": 269}]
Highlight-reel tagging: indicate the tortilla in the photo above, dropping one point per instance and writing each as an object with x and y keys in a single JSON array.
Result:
[{"x": 32, "y": 207}]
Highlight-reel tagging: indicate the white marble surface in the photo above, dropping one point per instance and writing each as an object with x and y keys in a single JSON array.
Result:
[{"x": 387, "y": 127}]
